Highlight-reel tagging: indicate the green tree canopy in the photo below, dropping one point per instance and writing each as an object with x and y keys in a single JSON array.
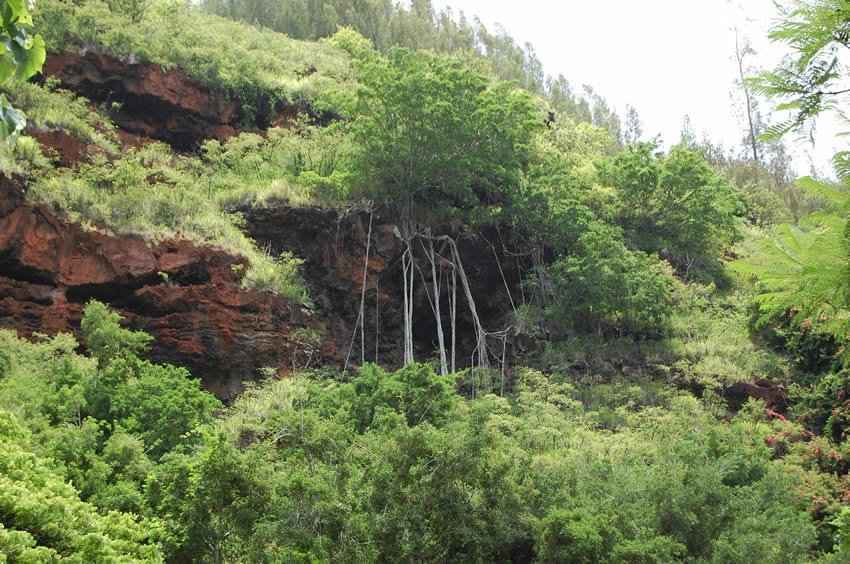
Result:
[
  {"x": 675, "y": 202},
  {"x": 105, "y": 337},
  {"x": 435, "y": 130},
  {"x": 812, "y": 79}
]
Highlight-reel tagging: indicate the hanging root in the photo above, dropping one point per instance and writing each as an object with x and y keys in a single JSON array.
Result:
[
  {"x": 360, "y": 323},
  {"x": 362, "y": 315}
]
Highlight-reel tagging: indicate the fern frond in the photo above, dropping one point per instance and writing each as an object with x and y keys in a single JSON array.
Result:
[
  {"x": 841, "y": 165},
  {"x": 805, "y": 270},
  {"x": 836, "y": 195}
]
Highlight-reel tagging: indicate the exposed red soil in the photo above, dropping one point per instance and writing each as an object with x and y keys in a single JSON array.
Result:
[
  {"x": 67, "y": 148},
  {"x": 147, "y": 101}
]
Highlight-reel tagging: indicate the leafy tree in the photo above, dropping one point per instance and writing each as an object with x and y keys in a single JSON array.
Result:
[
  {"x": 572, "y": 536},
  {"x": 437, "y": 139},
  {"x": 674, "y": 202},
  {"x": 438, "y": 493},
  {"x": 766, "y": 200},
  {"x": 432, "y": 129},
  {"x": 213, "y": 498},
  {"x": 812, "y": 79},
  {"x": 697, "y": 205},
  {"x": 21, "y": 56},
  {"x": 802, "y": 270},
  {"x": 105, "y": 337},
  {"x": 44, "y": 519},
  {"x": 633, "y": 127},
  {"x": 157, "y": 403},
  {"x": 133, "y": 9},
  {"x": 605, "y": 287}
]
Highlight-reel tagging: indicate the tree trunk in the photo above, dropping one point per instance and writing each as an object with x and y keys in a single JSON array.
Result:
[
  {"x": 408, "y": 277},
  {"x": 454, "y": 315},
  {"x": 739, "y": 55}
]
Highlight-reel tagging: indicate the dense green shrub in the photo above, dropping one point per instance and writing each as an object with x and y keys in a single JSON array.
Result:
[
  {"x": 674, "y": 202},
  {"x": 414, "y": 392},
  {"x": 604, "y": 287},
  {"x": 44, "y": 518},
  {"x": 393, "y": 466}
]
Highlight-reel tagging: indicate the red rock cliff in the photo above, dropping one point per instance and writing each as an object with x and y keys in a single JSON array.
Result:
[{"x": 200, "y": 317}]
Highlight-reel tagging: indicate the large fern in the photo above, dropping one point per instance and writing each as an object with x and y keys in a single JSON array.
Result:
[
  {"x": 813, "y": 78},
  {"x": 804, "y": 270}
]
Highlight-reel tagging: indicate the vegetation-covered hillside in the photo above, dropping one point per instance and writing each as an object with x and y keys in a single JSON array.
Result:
[{"x": 597, "y": 350}]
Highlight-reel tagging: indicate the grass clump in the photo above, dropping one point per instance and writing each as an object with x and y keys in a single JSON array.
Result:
[
  {"x": 259, "y": 67},
  {"x": 279, "y": 272},
  {"x": 51, "y": 107},
  {"x": 301, "y": 165},
  {"x": 152, "y": 193}
]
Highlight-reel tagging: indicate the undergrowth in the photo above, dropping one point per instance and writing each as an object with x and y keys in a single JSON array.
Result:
[
  {"x": 51, "y": 107},
  {"x": 259, "y": 67},
  {"x": 708, "y": 343}
]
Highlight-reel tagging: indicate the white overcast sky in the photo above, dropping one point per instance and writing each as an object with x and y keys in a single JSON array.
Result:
[{"x": 667, "y": 58}]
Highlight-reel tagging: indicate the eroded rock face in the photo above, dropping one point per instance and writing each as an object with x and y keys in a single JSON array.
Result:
[
  {"x": 333, "y": 247},
  {"x": 149, "y": 101},
  {"x": 190, "y": 300},
  {"x": 773, "y": 394},
  {"x": 198, "y": 313}
]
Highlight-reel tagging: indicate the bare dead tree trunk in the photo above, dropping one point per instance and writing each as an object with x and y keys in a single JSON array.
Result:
[
  {"x": 740, "y": 53},
  {"x": 480, "y": 335},
  {"x": 454, "y": 315},
  {"x": 377, "y": 319},
  {"x": 408, "y": 278}
]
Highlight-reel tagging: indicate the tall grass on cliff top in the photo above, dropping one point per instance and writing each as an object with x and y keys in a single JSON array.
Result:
[
  {"x": 51, "y": 108},
  {"x": 259, "y": 67},
  {"x": 155, "y": 194}
]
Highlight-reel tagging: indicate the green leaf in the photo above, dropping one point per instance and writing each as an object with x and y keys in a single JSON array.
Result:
[
  {"x": 34, "y": 59},
  {"x": 12, "y": 121},
  {"x": 7, "y": 67},
  {"x": 834, "y": 194}
]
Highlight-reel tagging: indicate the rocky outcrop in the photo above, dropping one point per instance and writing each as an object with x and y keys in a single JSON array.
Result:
[
  {"x": 148, "y": 102},
  {"x": 186, "y": 296},
  {"x": 190, "y": 299},
  {"x": 774, "y": 395},
  {"x": 334, "y": 248}
]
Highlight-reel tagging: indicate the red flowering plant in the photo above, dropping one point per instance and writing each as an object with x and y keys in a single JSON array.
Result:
[
  {"x": 825, "y": 407},
  {"x": 818, "y": 465},
  {"x": 782, "y": 432}
]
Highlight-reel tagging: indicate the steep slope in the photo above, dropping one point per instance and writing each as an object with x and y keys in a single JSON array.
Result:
[{"x": 183, "y": 76}]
